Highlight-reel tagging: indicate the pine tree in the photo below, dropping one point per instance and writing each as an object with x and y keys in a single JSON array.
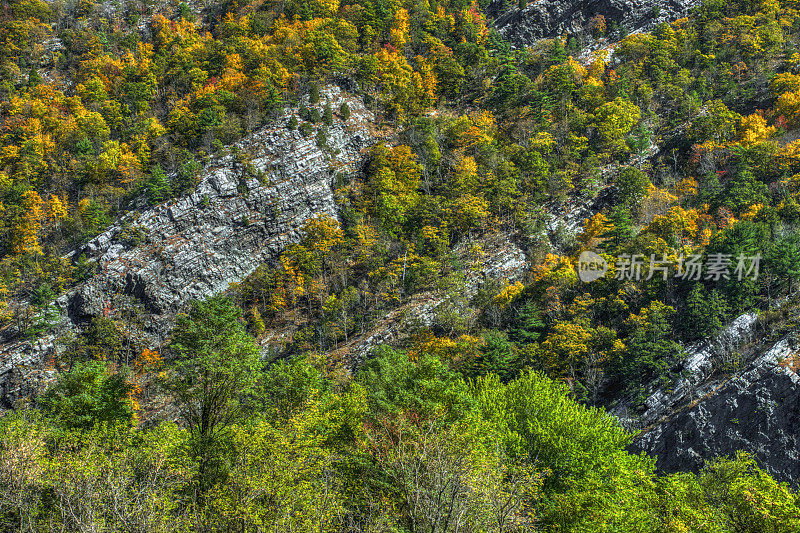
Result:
[
  {"x": 344, "y": 111},
  {"x": 620, "y": 232},
  {"x": 528, "y": 325},
  {"x": 313, "y": 94},
  {"x": 157, "y": 186}
]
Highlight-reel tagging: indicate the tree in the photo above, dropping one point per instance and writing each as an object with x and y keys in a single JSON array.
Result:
[
  {"x": 157, "y": 186},
  {"x": 527, "y": 325},
  {"x": 748, "y": 499},
  {"x": 392, "y": 186},
  {"x": 632, "y": 185},
  {"x": 88, "y": 394},
  {"x": 614, "y": 120},
  {"x": 327, "y": 115},
  {"x": 215, "y": 366},
  {"x": 743, "y": 191},
  {"x": 344, "y": 111},
  {"x": 705, "y": 313},
  {"x": 591, "y": 483},
  {"x": 651, "y": 349},
  {"x": 25, "y": 234},
  {"x": 620, "y": 230},
  {"x": 395, "y": 383},
  {"x": 497, "y": 357}
]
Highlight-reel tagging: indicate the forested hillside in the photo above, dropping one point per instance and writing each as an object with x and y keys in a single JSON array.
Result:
[{"x": 295, "y": 266}]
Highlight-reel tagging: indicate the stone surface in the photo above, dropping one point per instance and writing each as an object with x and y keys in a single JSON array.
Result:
[
  {"x": 552, "y": 18},
  {"x": 756, "y": 410}
]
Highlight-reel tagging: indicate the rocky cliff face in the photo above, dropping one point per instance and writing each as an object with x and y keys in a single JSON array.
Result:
[
  {"x": 238, "y": 217},
  {"x": 552, "y": 18},
  {"x": 756, "y": 410}
]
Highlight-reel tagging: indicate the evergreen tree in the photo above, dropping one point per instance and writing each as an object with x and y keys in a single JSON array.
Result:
[
  {"x": 344, "y": 111},
  {"x": 313, "y": 94},
  {"x": 157, "y": 186},
  {"x": 620, "y": 232},
  {"x": 528, "y": 325},
  {"x": 705, "y": 313},
  {"x": 497, "y": 357}
]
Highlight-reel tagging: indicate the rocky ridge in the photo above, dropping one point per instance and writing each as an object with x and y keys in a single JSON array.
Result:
[
  {"x": 244, "y": 211},
  {"x": 552, "y": 18},
  {"x": 756, "y": 410}
]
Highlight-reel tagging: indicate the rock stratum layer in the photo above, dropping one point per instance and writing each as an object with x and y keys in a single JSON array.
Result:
[
  {"x": 756, "y": 410},
  {"x": 553, "y": 18},
  {"x": 196, "y": 246}
]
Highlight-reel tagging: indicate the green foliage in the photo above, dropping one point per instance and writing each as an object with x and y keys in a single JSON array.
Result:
[
  {"x": 705, "y": 312},
  {"x": 344, "y": 111},
  {"x": 527, "y": 325},
  {"x": 213, "y": 371},
  {"x": 651, "y": 349},
  {"x": 395, "y": 383},
  {"x": 87, "y": 395},
  {"x": 632, "y": 186},
  {"x": 157, "y": 186},
  {"x": 497, "y": 357}
]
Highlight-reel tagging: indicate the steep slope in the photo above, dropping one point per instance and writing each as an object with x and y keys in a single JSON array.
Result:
[
  {"x": 757, "y": 410},
  {"x": 245, "y": 210}
]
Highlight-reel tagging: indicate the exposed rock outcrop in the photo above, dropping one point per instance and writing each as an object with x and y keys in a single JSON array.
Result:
[
  {"x": 552, "y": 18},
  {"x": 238, "y": 217},
  {"x": 756, "y": 410}
]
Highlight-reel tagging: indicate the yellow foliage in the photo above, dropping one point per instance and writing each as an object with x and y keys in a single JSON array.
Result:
[
  {"x": 481, "y": 130},
  {"x": 55, "y": 209},
  {"x": 509, "y": 293},
  {"x": 657, "y": 201},
  {"x": 593, "y": 227},
  {"x": 785, "y": 82},
  {"x": 788, "y": 105},
  {"x": 686, "y": 187},
  {"x": 462, "y": 348},
  {"x": 322, "y": 234},
  {"x": 751, "y": 212},
  {"x": 677, "y": 223},
  {"x": 753, "y": 129},
  {"x": 29, "y": 224},
  {"x": 556, "y": 270},
  {"x": 399, "y": 29},
  {"x": 542, "y": 142},
  {"x": 148, "y": 360}
]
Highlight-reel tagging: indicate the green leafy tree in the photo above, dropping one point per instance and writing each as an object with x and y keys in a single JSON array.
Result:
[
  {"x": 213, "y": 370},
  {"x": 88, "y": 394},
  {"x": 632, "y": 186}
]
